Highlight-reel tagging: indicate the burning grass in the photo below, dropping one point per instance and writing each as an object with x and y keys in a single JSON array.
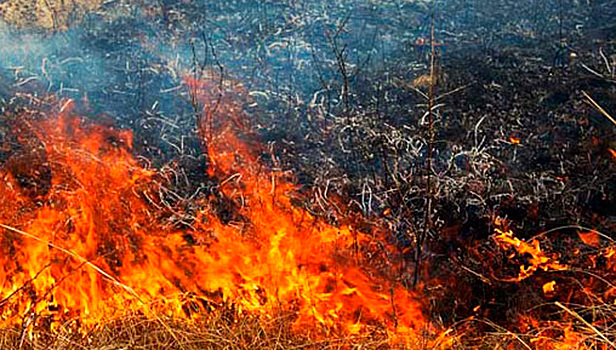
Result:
[
  {"x": 93, "y": 244},
  {"x": 98, "y": 249},
  {"x": 92, "y": 257},
  {"x": 167, "y": 234}
]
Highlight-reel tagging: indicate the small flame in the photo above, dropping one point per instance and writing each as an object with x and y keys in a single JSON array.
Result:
[
  {"x": 536, "y": 258},
  {"x": 549, "y": 287}
]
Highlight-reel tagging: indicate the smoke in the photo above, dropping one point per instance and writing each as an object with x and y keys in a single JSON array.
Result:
[{"x": 126, "y": 62}]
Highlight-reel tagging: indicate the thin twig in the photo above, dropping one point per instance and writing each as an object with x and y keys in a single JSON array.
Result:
[
  {"x": 429, "y": 193},
  {"x": 593, "y": 328},
  {"x": 597, "y": 107}
]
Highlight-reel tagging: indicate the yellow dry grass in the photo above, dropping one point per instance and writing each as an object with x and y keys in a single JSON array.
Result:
[{"x": 45, "y": 14}]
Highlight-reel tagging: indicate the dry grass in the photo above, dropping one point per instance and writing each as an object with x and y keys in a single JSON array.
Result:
[
  {"x": 46, "y": 14},
  {"x": 229, "y": 330},
  {"x": 222, "y": 329}
]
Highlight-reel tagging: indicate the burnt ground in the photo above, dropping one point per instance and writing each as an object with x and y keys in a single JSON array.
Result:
[{"x": 560, "y": 174}]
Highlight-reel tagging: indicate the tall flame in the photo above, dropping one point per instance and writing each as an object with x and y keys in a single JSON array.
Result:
[{"x": 97, "y": 245}]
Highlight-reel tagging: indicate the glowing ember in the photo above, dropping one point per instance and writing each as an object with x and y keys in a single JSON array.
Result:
[
  {"x": 590, "y": 238},
  {"x": 549, "y": 287}
]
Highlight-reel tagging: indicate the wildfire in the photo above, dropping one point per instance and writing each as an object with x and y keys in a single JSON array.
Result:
[{"x": 96, "y": 245}]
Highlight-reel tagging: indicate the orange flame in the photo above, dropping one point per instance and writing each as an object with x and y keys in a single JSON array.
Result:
[
  {"x": 537, "y": 260},
  {"x": 97, "y": 244}
]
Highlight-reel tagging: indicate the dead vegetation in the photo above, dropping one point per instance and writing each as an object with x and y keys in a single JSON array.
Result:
[
  {"x": 222, "y": 329},
  {"x": 46, "y": 14}
]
